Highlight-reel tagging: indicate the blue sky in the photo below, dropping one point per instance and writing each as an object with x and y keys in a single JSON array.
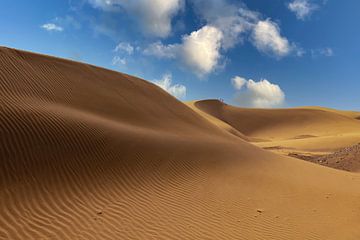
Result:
[{"x": 254, "y": 53}]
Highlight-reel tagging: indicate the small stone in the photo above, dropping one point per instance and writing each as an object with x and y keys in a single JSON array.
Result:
[{"x": 259, "y": 210}]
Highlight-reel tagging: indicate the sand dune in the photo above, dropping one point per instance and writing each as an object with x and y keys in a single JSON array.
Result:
[
  {"x": 282, "y": 124},
  {"x": 88, "y": 153},
  {"x": 306, "y": 130}
]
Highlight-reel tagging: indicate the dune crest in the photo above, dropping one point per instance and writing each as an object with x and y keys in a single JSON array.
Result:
[{"x": 88, "y": 153}]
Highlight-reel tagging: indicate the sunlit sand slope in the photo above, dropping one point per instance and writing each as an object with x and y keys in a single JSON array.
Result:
[
  {"x": 87, "y": 153},
  {"x": 283, "y": 124},
  {"x": 306, "y": 130}
]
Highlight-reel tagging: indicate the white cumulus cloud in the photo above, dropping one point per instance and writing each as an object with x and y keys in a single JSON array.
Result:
[
  {"x": 267, "y": 38},
  {"x": 200, "y": 51},
  {"x": 236, "y": 22},
  {"x": 177, "y": 90},
  {"x": 51, "y": 27},
  {"x": 203, "y": 51},
  {"x": 261, "y": 94},
  {"x": 302, "y": 8},
  {"x": 154, "y": 16}
]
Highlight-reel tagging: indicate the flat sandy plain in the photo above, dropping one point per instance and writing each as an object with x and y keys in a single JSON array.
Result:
[{"x": 88, "y": 153}]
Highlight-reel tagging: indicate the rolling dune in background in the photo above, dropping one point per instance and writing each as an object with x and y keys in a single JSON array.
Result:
[
  {"x": 306, "y": 131},
  {"x": 88, "y": 153}
]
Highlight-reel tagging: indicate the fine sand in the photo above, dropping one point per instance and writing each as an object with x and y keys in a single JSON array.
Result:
[
  {"x": 88, "y": 153},
  {"x": 304, "y": 132}
]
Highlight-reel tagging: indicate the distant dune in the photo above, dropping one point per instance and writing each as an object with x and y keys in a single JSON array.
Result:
[
  {"x": 88, "y": 153},
  {"x": 305, "y": 131}
]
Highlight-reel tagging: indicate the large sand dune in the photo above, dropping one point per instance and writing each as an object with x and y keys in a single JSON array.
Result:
[{"x": 88, "y": 153}]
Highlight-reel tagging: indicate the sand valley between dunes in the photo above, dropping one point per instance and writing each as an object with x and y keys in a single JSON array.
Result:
[{"x": 89, "y": 153}]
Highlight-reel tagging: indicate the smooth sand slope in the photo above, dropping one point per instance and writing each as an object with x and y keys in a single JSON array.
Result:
[
  {"x": 87, "y": 153},
  {"x": 306, "y": 130}
]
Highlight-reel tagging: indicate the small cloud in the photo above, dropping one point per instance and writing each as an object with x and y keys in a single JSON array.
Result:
[
  {"x": 261, "y": 94},
  {"x": 118, "y": 61},
  {"x": 299, "y": 52},
  {"x": 267, "y": 39},
  {"x": 51, "y": 27},
  {"x": 238, "y": 82},
  {"x": 326, "y": 52},
  {"x": 302, "y": 8},
  {"x": 177, "y": 90},
  {"x": 160, "y": 50},
  {"x": 126, "y": 47}
]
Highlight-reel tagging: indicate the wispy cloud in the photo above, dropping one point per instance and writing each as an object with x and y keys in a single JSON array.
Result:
[
  {"x": 159, "y": 50},
  {"x": 67, "y": 21},
  {"x": 302, "y": 8},
  {"x": 234, "y": 20},
  {"x": 118, "y": 61},
  {"x": 51, "y": 27},
  {"x": 124, "y": 47},
  {"x": 177, "y": 90},
  {"x": 326, "y": 52},
  {"x": 154, "y": 16}
]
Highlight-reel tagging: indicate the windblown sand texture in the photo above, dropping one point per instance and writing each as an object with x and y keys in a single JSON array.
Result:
[{"x": 88, "y": 153}]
